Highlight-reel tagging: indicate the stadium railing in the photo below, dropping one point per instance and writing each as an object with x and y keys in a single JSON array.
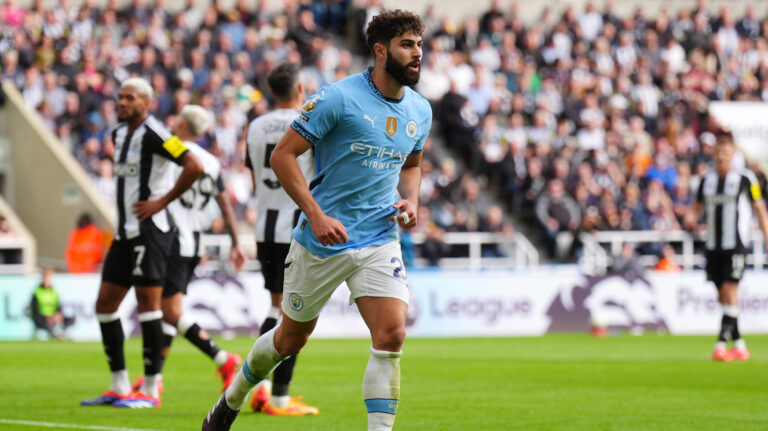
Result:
[
  {"x": 21, "y": 240},
  {"x": 600, "y": 248},
  {"x": 518, "y": 251}
]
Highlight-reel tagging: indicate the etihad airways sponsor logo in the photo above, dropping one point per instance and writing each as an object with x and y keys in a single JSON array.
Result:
[{"x": 378, "y": 157}]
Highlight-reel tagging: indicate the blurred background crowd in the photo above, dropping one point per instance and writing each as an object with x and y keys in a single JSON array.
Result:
[{"x": 581, "y": 121}]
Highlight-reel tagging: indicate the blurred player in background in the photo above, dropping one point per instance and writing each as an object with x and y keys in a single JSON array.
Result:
[
  {"x": 278, "y": 215},
  {"x": 139, "y": 254},
  {"x": 368, "y": 133},
  {"x": 727, "y": 195},
  {"x": 189, "y": 212}
]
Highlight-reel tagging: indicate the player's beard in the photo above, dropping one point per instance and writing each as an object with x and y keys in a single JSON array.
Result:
[
  {"x": 128, "y": 118},
  {"x": 401, "y": 73}
]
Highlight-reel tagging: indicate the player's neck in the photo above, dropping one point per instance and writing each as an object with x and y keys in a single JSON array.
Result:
[
  {"x": 292, "y": 104},
  {"x": 186, "y": 137},
  {"x": 387, "y": 85},
  {"x": 133, "y": 125},
  {"x": 723, "y": 173}
]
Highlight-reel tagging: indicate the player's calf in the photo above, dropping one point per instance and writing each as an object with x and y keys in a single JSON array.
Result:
[{"x": 381, "y": 389}]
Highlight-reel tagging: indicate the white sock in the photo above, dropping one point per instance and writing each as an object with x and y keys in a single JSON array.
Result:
[
  {"x": 739, "y": 344},
  {"x": 220, "y": 359},
  {"x": 275, "y": 313},
  {"x": 169, "y": 329},
  {"x": 381, "y": 389},
  {"x": 151, "y": 385},
  {"x": 280, "y": 401},
  {"x": 121, "y": 384},
  {"x": 730, "y": 310},
  {"x": 721, "y": 345},
  {"x": 261, "y": 361}
]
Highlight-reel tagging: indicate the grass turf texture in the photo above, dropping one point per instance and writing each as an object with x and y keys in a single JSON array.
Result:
[{"x": 557, "y": 382}]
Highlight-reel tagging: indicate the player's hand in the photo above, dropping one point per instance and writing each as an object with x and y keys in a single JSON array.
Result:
[
  {"x": 146, "y": 209},
  {"x": 237, "y": 258},
  {"x": 328, "y": 230},
  {"x": 406, "y": 219}
]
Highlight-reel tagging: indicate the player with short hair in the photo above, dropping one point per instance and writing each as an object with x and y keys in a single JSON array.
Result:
[
  {"x": 279, "y": 214},
  {"x": 368, "y": 133},
  {"x": 727, "y": 195},
  {"x": 144, "y": 150},
  {"x": 189, "y": 212}
]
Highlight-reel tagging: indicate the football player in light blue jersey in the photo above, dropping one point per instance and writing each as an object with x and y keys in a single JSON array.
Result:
[{"x": 368, "y": 132}]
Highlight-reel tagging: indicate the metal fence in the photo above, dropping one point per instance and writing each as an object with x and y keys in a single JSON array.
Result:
[{"x": 517, "y": 249}]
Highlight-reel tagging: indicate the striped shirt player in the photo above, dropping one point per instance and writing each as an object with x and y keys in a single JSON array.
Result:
[
  {"x": 144, "y": 152},
  {"x": 727, "y": 202},
  {"x": 728, "y": 195},
  {"x": 189, "y": 213},
  {"x": 143, "y": 160},
  {"x": 278, "y": 212}
]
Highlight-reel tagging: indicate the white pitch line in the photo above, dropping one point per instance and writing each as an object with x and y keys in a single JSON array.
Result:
[{"x": 69, "y": 426}]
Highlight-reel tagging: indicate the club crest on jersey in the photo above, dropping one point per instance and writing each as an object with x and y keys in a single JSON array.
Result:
[
  {"x": 411, "y": 129},
  {"x": 391, "y": 126},
  {"x": 296, "y": 302},
  {"x": 310, "y": 105}
]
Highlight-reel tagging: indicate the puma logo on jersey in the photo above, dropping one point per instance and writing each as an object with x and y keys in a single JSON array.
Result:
[{"x": 371, "y": 119}]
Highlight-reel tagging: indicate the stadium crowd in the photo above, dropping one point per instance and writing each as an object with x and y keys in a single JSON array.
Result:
[
  {"x": 588, "y": 120},
  {"x": 579, "y": 121}
]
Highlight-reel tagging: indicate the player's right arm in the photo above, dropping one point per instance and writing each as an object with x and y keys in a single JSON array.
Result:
[
  {"x": 692, "y": 216},
  {"x": 328, "y": 230}
]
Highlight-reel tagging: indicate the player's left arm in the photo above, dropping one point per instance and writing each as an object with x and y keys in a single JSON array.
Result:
[
  {"x": 236, "y": 255},
  {"x": 175, "y": 150},
  {"x": 408, "y": 186},
  {"x": 758, "y": 204}
]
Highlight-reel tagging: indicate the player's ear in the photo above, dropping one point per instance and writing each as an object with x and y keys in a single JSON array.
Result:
[{"x": 379, "y": 50}]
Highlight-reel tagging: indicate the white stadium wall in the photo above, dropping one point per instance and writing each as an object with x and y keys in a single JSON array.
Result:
[
  {"x": 47, "y": 187},
  {"x": 443, "y": 304}
]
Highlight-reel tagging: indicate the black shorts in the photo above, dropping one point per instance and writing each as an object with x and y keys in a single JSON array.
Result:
[
  {"x": 140, "y": 261},
  {"x": 725, "y": 266},
  {"x": 272, "y": 257},
  {"x": 180, "y": 271}
]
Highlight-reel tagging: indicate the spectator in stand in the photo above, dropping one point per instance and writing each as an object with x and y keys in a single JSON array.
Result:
[{"x": 556, "y": 212}]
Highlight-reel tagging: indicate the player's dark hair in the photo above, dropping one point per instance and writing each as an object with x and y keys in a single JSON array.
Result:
[
  {"x": 282, "y": 80},
  {"x": 391, "y": 24},
  {"x": 725, "y": 137}
]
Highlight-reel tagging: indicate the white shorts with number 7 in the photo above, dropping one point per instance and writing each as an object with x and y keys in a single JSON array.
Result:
[{"x": 310, "y": 280}]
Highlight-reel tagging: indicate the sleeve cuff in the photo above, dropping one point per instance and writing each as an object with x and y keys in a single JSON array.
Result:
[{"x": 312, "y": 139}]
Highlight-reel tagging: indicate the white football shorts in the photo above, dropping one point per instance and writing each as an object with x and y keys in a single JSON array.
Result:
[{"x": 310, "y": 280}]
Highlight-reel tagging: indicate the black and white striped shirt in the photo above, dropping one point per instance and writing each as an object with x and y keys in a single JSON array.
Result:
[
  {"x": 142, "y": 171},
  {"x": 189, "y": 211},
  {"x": 728, "y": 208},
  {"x": 278, "y": 213}
]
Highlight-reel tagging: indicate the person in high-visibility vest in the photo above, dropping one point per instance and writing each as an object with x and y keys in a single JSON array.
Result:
[{"x": 45, "y": 307}]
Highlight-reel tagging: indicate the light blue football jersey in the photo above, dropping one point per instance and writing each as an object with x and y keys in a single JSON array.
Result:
[{"x": 361, "y": 140}]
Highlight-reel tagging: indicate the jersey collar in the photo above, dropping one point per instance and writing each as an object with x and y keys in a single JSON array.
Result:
[{"x": 369, "y": 80}]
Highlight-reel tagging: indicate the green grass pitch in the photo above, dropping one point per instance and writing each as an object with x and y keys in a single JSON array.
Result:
[{"x": 557, "y": 382}]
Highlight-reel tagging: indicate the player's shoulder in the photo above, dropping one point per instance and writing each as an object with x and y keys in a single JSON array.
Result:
[
  {"x": 211, "y": 163},
  {"x": 419, "y": 101},
  {"x": 156, "y": 127},
  {"x": 747, "y": 174}
]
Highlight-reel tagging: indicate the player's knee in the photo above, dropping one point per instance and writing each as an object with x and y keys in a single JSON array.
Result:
[
  {"x": 389, "y": 339},
  {"x": 291, "y": 344},
  {"x": 148, "y": 299},
  {"x": 105, "y": 304}
]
